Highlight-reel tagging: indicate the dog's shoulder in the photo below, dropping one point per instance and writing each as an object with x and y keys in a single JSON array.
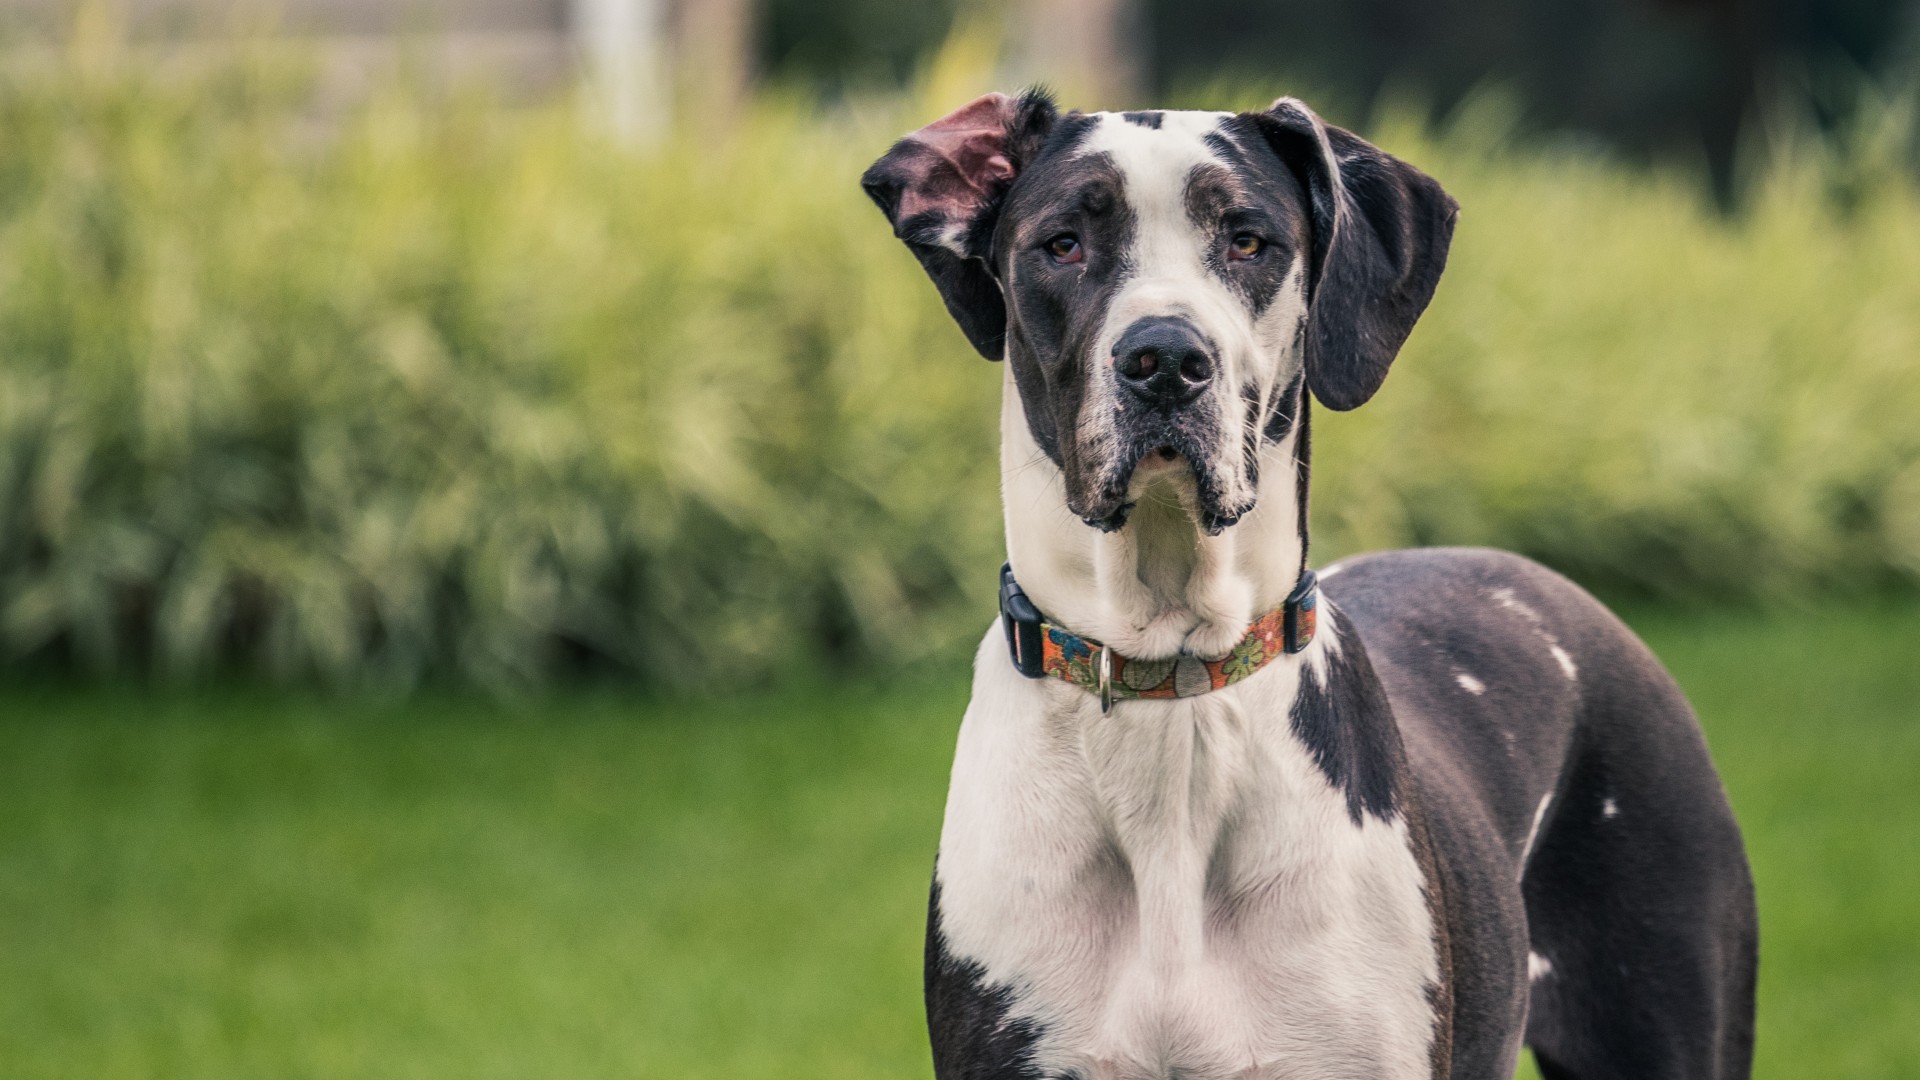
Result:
[
  {"x": 1491, "y": 662},
  {"x": 1494, "y": 665},
  {"x": 1481, "y": 619}
]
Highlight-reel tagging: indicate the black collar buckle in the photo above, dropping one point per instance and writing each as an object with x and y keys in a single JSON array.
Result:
[
  {"x": 1301, "y": 615},
  {"x": 1022, "y": 622}
]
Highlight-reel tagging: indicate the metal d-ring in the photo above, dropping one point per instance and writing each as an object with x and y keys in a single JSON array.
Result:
[{"x": 1103, "y": 669}]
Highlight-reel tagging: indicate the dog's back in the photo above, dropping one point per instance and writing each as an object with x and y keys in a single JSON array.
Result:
[{"x": 1535, "y": 721}]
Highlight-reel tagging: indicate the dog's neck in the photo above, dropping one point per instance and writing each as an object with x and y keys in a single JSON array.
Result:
[{"x": 1159, "y": 586}]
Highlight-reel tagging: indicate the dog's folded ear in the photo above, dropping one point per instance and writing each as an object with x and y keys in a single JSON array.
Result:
[
  {"x": 941, "y": 189},
  {"x": 1380, "y": 234}
]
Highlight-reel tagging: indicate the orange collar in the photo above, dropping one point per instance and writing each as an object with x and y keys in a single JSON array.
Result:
[{"x": 1040, "y": 648}]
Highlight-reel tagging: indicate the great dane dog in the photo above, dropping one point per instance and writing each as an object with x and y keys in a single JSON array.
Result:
[{"x": 1204, "y": 821}]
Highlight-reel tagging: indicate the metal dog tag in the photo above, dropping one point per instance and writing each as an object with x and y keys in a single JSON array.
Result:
[{"x": 1103, "y": 667}]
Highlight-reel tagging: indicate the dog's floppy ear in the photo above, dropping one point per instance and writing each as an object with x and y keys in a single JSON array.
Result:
[
  {"x": 941, "y": 187},
  {"x": 1380, "y": 233}
]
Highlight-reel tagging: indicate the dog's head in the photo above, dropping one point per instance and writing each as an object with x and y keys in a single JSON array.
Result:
[{"x": 1162, "y": 282}]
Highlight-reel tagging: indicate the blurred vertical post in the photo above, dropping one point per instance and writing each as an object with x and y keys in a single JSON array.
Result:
[
  {"x": 713, "y": 59},
  {"x": 619, "y": 44},
  {"x": 1089, "y": 50}
]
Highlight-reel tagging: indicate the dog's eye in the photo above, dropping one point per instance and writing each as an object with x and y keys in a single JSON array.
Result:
[
  {"x": 1245, "y": 246},
  {"x": 1065, "y": 249}
]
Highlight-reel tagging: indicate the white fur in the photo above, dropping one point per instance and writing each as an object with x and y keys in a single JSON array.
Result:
[
  {"x": 1533, "y": 831},
  {"x": 1177, "y": 890},
  {"x": 1538, "y": 967},
  {"x": 1470, "y": 684},
  {"x": 1506, "y": 599},
  {"x": 1565, "y": 661}
]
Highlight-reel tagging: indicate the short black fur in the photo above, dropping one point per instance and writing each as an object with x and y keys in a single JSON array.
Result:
[
  {"x": 972, "y": 1037},
  {"x": 1632, "y": 888},
  {"x": 1381, "y": 228},
  {"x": 1251, "y": 192},
  {"x": 965, "y": 282},
  {"x": 1347, "y": 725}
]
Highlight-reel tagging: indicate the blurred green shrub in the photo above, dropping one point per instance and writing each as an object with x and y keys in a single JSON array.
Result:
[{"x": 443, "y": 389}]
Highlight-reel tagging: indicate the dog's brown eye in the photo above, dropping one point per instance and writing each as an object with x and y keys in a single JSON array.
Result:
[
  {"x": 1065, "y": 248},
  {"x": 1245, "y": 246}
]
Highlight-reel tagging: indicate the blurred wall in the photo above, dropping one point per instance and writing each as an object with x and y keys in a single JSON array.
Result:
[
  {"x": 1648, "y": 76},
  {"x": 313, "y": 16},
  {"x": 852, "y": 42},
  {"x": 523, "y": 46},
  {"x": 641, "y": 55}
]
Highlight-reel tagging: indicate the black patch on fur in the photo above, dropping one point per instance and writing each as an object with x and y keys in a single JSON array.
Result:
[
  {"x": 967, "y": 1021},
  {"x": 1647, "y": 917},
  {"x": 1056, "y": 312},
  {"x": 1148, "y": 119},
  {"x": 1254, "y": 193},
  {"x": 1254, "y": 437},
  {"x": 1302, "y": 458},
  {"x": 965, "y": 281},
  {"x": 1286, "y": 410},
  {"x": 1381, "y": 229},
  {"x": 1347, "y": 725}
]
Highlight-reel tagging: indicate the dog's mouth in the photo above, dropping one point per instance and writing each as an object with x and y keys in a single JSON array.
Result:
[
  {"x": 1160, "y": 465},
  {"x": 1171, "y": 457}
]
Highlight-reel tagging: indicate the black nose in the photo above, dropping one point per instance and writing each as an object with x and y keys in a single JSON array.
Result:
[{"x": 1163, "y": 361}]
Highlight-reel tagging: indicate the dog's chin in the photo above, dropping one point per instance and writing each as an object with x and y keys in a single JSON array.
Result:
[
  {"x": 1210, "y": 509},
  {"x": 1127, "y": 478}
]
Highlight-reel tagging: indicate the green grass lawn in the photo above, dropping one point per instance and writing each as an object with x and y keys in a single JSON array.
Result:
[{"x": 242, "y": 885}]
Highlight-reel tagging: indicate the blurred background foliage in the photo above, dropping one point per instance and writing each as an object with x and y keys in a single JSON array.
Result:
[
  {"x": 428, "y": 386},
  {"x": 1644, "y": 78},
  {"x": 384, "y": 344}
]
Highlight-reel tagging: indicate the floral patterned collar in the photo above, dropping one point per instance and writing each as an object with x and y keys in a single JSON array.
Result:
[{"x": 1040, "y": 649}]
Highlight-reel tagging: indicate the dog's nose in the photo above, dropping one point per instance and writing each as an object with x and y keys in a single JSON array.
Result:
[{"x": 1163, "y": 361}]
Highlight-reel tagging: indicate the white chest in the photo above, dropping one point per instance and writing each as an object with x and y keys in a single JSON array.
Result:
[{"x": 1177, "y": 890}]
